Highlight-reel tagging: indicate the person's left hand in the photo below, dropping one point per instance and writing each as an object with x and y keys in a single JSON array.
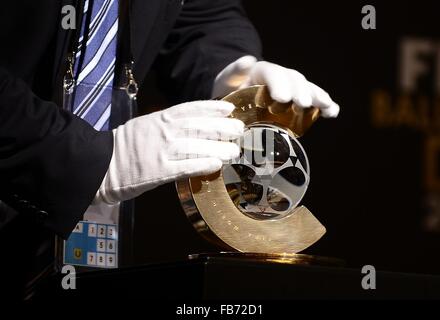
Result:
[{"x": 284, "y": 84}]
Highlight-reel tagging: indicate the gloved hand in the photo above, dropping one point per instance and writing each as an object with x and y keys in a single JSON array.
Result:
[
  {"x": 179, "y": 142},
  {"x": 284, "y": 84}
]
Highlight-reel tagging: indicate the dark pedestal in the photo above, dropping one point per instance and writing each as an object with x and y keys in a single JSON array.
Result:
[{"x": 231, "y": 278}]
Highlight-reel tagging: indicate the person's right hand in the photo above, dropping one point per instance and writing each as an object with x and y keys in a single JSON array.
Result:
[{"x": 179, "y": 142}]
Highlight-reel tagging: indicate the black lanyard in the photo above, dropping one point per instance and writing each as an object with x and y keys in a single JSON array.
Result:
[
  {"x": 124, "y": 36},
  {"x": 124, "y": 61},
  {"x": 74, "y": 43}
]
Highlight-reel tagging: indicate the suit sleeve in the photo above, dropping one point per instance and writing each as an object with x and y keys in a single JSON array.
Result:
[
  {"x": 51, "y": 162},
  {"x": 207, "y": 36}
]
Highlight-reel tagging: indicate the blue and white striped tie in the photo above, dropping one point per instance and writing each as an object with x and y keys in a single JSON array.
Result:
[{"x": 93, "y": 93}]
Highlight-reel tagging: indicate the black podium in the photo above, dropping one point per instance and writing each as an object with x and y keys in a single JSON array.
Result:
[{"x": 218, "y": 278}]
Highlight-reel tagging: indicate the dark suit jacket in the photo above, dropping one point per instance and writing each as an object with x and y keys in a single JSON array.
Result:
[{"x": 52, "y": 162}]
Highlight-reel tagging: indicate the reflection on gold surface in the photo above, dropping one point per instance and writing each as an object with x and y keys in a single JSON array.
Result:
[
  {"x": 254, "y": 105},
  {"x": 294, "y": 259}
]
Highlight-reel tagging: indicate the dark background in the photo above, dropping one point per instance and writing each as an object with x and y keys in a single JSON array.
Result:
[{"x": 368, "y": 183}]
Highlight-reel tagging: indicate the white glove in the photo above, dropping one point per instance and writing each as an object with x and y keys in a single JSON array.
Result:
[
  {"x": 179, "y": 142},
  {"x": 284, "y": 84}
]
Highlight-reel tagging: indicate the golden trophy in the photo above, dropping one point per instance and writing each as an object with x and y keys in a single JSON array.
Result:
[{"x": 251, "y": 207}]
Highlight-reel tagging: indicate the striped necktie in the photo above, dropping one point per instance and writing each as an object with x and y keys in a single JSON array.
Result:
[{"x": 97, "y": 53}]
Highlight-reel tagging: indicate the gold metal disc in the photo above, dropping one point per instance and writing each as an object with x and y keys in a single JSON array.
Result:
[{"x": 214, "y": 215}]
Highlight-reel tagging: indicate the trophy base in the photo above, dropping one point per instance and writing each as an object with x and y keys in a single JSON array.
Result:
[{"x": 279, "y": 258}]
